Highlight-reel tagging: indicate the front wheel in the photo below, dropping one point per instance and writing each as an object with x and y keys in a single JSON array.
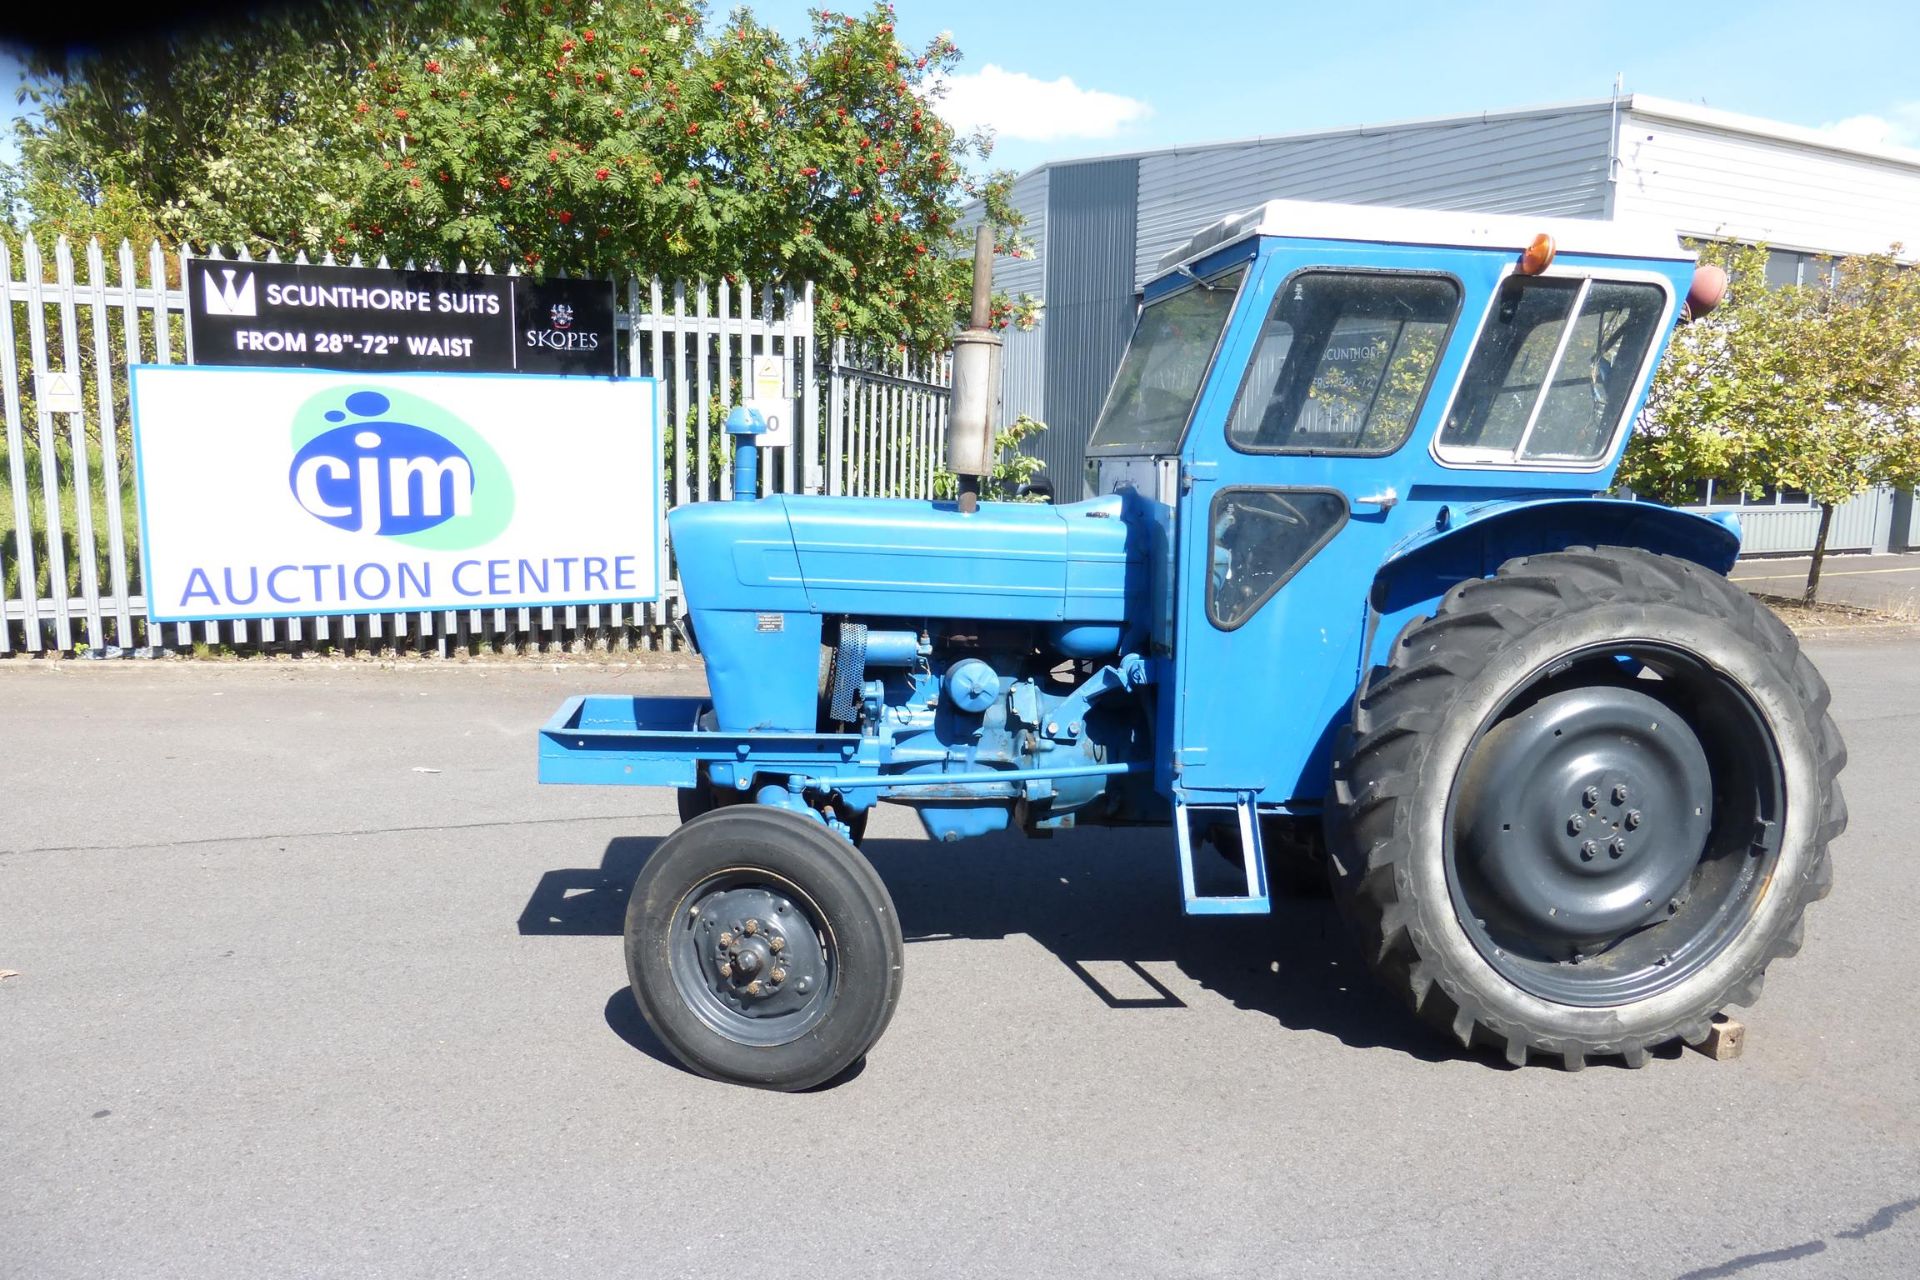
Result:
[
  {"x": 1586, "y": 804},
  {"x": 762, "y": 948}
]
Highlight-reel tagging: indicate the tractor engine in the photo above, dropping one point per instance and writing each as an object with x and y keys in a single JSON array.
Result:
[{"x": 1001, "y": 647}]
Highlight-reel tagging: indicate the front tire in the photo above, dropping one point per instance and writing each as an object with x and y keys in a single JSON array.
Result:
[
  {"x": 762, "y": 948},
  {"x": 1586, "y": 804}
]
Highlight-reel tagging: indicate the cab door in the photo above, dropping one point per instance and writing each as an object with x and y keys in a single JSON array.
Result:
[{"x": 1294, "y": 478}]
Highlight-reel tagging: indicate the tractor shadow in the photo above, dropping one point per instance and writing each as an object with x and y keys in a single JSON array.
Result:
[{"x": 1105, "y": 902}]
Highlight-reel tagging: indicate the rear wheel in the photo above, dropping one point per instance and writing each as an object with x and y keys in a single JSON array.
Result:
[
  {"x": 763, "y": 948},
  {"x": 1586, "y": 804}
]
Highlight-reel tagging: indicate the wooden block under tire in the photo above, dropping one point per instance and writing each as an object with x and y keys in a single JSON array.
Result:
[{"x": 1725, "y": 1039}]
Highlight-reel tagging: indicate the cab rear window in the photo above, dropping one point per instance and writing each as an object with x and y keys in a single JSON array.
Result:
[{"x": 1553, "y": 372}]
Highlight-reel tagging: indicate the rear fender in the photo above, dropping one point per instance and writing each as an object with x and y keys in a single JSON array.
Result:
[{"x": 1473, "y": 542}]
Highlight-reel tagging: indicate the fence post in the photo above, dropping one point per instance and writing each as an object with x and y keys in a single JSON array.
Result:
[
  {"x": 17, "y": 466},
  {"x": 810, "y": 394}
]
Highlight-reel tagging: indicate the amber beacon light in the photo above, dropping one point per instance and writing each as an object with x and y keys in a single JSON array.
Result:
[{"x": 1538, "y": 257}]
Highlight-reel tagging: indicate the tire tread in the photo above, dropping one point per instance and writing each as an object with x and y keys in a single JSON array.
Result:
[{"x": 1394, "y": 716}]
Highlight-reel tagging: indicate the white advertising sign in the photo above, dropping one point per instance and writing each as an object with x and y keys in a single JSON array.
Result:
[
  {"x": 770, "y": 398},
  {"x": 779, "y": 416},
  {"x": 769, "y": 378},
  {"x": 269, "y": 493}
]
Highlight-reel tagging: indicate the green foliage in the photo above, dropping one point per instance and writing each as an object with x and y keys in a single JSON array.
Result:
[
  {"x": 577, "y": 137},
  {"x": 1012, "y": 469},
  {"x": 1812, "y": 387},
  {"x": 1805, "y": 386}
]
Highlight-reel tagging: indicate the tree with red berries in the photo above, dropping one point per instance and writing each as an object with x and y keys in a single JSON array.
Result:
[{"x": 574, "y": 137}]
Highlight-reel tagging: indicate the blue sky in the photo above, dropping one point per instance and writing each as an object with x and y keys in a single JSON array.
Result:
[
  {"x": 1197, "y": 72},
  {"x": 1058, "y": 80}
]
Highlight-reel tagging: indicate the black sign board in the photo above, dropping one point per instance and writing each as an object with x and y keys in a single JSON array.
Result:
[{"x": 283, "y": 315}]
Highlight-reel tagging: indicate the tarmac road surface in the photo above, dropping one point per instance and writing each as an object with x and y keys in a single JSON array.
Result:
[
  {"x": 313, "y": 980},
  {"x": 1884, "y": 583}
]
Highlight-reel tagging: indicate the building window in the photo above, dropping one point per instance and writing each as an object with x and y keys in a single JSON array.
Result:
[{"x": 1718, "y": 493}]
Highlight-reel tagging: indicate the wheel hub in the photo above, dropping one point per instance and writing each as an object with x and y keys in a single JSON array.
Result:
[
  {"x": 1582, "y": 818},
  {"x": 751, "y": 963}
]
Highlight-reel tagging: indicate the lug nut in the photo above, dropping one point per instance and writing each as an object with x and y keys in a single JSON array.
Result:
[
  {"x": 1575, "y": 825},
  {"x": 1587, "y": 851},
  {"x": 726, "y": 970},
  {"x": 726, "y": 939},
  {"x": 1619, "y": 793},
  {"x": 754, "y": 988},
  {"x": 1616, "y": 847},
  {"x": 1633, "y": 819},
  {"x": 753, "y": 926},
  {"x": 778, "y": 975},
  {"x": 1590, "y": 797},
  {"x": 776, "y": 944}
]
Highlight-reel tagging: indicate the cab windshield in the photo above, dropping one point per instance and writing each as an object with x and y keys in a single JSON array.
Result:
[{"x": 1166, "y": 361}]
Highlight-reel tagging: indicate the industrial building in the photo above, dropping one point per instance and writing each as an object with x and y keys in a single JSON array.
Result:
[{"x": 1098, "y": 227}]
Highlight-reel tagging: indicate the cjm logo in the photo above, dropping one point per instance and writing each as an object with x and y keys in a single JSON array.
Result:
[{"x": 375, "y": 473}]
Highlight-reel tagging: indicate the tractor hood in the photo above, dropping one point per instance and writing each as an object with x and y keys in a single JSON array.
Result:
[{"x": 890, "y": 557}]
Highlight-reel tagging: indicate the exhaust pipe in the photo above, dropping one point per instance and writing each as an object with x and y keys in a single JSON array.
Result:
[{"x": 976, "y": 381}]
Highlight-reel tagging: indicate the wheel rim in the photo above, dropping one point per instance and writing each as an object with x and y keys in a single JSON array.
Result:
[
  {"x": 753, "y": 957},
  {"x": 1615, "y": 824}
]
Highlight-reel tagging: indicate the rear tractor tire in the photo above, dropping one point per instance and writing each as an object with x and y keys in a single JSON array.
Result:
[
  {"x": 763, "y": 948},
  {"x": 1585, "y": 805}
]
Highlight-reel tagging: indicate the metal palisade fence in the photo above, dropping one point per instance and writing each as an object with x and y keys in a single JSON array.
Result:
[
  {"x": 69, "y": 528},
  {"x": 888, "y": 432}
]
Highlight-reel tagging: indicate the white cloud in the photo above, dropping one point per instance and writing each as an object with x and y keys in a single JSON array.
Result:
[
  {"x": 1015, "y": 105},
  {"x": 1900, "y": 128}
]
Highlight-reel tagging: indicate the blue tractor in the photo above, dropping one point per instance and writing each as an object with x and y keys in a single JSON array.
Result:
[{"x": 1346, "y": 597}]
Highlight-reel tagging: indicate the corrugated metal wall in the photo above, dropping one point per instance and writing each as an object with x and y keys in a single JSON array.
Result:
[
  {"x": 1551, "y": 163},
  {"x": 1860, "y": 525},
  {"x": 1025, "y": 275},
  {"x": 1023, "y": 360},
  {"x": 1716, "y": 182},
  {"x": 1091, "y": 225}
]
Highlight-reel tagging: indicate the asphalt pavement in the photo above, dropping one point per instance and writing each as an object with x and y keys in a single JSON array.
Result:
[
  {"x": 313, "y": 981},
  {"x": 1887, "y": 584}
]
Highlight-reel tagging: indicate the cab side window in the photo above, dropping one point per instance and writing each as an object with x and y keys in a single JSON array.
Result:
[{"x": 1344, "y": 361}]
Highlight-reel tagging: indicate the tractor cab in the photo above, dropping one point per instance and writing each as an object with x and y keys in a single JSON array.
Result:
[{"x": 1313, "y": 390}]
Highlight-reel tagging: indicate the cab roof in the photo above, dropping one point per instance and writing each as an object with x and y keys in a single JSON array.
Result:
[{"x": 1379, "y": 224}]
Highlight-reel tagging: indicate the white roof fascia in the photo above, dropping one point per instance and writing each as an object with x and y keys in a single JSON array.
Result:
[
  {"x": 1381, "y": 224},
  {"x": 1641, "y": 104}
]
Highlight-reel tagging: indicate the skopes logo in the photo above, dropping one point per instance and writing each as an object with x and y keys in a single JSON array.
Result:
[
  {"x": 228, "y": 298},
  {"x": 562, "y": 336},
  {"x": 397, "y": 466}
]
